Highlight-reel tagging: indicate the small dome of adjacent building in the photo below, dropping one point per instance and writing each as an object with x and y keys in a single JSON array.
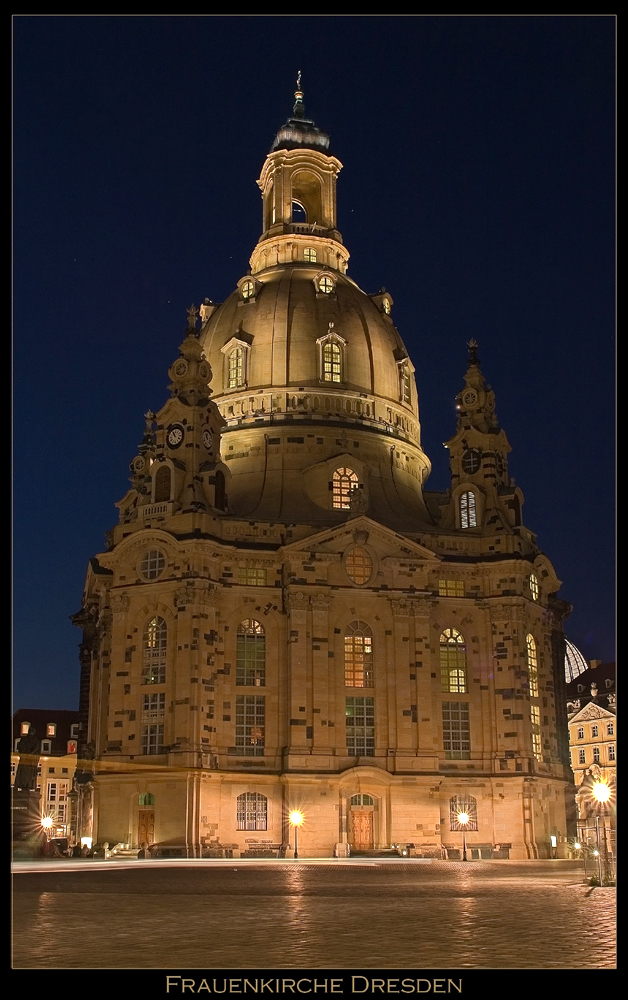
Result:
[{"x": 575, "y": 663}]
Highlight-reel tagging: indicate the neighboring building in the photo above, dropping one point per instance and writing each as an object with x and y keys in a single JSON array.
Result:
[
  {"x": 592, "y": 715},
  {"x": 58, "y": 733},
  {"x": 285, "y": 618}
]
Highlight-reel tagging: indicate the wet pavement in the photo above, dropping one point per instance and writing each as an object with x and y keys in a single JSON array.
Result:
[{"x": 308, "y": 915}]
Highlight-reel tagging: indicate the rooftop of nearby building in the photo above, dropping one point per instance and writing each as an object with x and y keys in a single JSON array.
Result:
[{"x": 59, "y": 726}]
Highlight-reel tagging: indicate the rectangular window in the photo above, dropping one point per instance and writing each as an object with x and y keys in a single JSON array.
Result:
[
  {"x": 451, "y": 588},
  {"x": 535, "y": 718},
  {"x": 153, "y": 712},
  {"x": 360, "y": 715},
  {"x": 24, "y": 728},
  {"x": 611, "y": 752},
  {"x": 252, "y": 576},
  {"x": 582, "y": 756},
  {"x": 51, "y": 729},
  {"x": 610, "y": 729},
  {"x": 250, "y": 725},
  {"x": 252, "y": 811},
  {"x": 46, "y": 746},
  {"x": 456, "y": 735},
  {"x": 596, "y": 755}
]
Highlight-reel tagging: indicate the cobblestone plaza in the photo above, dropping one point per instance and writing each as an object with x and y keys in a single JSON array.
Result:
[{"x": 342, "y": 915}]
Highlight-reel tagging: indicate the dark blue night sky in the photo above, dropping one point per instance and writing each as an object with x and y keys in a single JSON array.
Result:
[{"x": 478, "y": 187}]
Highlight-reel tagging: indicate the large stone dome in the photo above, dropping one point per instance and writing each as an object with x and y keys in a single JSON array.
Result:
[{"x": 309, "y": 371}]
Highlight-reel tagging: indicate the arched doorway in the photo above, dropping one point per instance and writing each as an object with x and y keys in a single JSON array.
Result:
[
  {"x": 361, "y": 822},
  {"x": 146, "y": 819}
]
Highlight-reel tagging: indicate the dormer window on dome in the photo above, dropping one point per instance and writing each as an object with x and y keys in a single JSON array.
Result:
[
  {"x": 236, "y": 352},
  {"x": 325, "y": 284},
  {"x": 248, "y": 288},
  {"x": 331, "y": 357}
]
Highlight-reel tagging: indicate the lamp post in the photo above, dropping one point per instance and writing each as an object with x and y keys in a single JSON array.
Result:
[
  {"x": 601, "y": 794},
  {"x": 463, "y": 819},
  {"x": 296, "y": 818}
]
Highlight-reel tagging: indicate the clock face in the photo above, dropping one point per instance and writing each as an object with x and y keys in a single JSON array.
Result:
[
  {"x": 470, "y": 397},
  {"x": 175, "y": 436},
  {"x": 471, "y": 460},
  {"x": 207, "y": 439},
  {"x": 180, "y": 367}
]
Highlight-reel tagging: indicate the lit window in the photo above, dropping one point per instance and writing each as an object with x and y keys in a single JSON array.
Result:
[
  {"x": 359, "y": 565},
  {"x": 248, "y": 290},
  {"x": 453, "y": 662},
  {"x": 235, "y": 376},
  {"x": 463, "y": 804},
  {"x": 360, "y": 719},
  {"x": 535, "y": 719},
  {"x": 582, "y": 758},
  {"x": 250, "y": 725},
  {"x": 326, "y": 285},
  {"x": 344, "y": 482},
  {"x": 386, "y": 306},
  {"x": 309, "y": 255},
  {"x": 24, "y": 728},
  {"x": 596, "y": 755},
  {"x": 361, "y": 800},
  {"x": 533, "y": 673},
  {"x": 534, "y": 587},
  {"x": 252, "y": 811},
  {"x": 152, "y": 564},
  {"x": 594, "y": 731},
  {"x": 332, "y": 362},
  {"x": 456, "y": 735},
  {"x": 250, "y": 654},
  {"x": 252, "y": 576},
  {"x": 51, "y": 729},
  {"x": 154, "y": 652},
  {"x": 451, "y": 588},
  {"x": 610, "y": 729},
  {"x": 611, "y": 752},
  {"x": 468, "y": 516},
  {"x": 358, "y": 655},
  {"x": 581, "y": 732}
]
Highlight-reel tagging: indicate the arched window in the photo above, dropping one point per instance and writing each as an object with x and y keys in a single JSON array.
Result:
[
  {"x": 248, "y": 290},
  {"x": 362, "y": 800},
  {"x": 463, "y": 805},
  {"x": 219, "y": 491},
  {"x": 534, "y": 587},
  {"x": 252, "y": 811},
  {"x": 344, "y": 481},
  {"x": 358, "y": 655},
  {"x": 155, "y": 646},
  {"x": 533, "y": 672},
  {"x": 309, "y": 254},
  {"x": 250, "y": 654},
  {"x": 146, "y": 799},
  {"x": 332, "y": 362},
  {"x": 453, "y": 662},
  {"x": 162, "y": 484},
  {"x": 235, "y": 376},
  {"x": 468, "y": 515}
]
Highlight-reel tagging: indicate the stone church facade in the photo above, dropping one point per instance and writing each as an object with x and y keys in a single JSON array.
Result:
[{"x": 285, "y": 618}]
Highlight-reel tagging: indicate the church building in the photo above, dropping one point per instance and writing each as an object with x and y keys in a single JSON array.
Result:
[{"x": 285, "y": 619}]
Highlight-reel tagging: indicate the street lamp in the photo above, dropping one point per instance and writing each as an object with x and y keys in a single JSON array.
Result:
[
  {"x": 602, "y": 793},
  {"x": 463, "y": 819},
  {"x": 47, "y": 825},
  {"x": 296, "y": 818}
]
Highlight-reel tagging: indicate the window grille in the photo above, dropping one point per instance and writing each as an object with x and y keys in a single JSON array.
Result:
[
  {"x": 456, "y": 732},
  {"x": 463, "y": 804},
  {"x": 533, "y": 673},
  {"x": 154, "y": 652},
  {"x": 468, "y": 515},
  {"x": 451, "y": 588},
  {"x": 360, "y": 719},
  {"x": 344, "y": 481},
  {"x": 250, "y": 725},
  {"x": 252, "y": 811}
]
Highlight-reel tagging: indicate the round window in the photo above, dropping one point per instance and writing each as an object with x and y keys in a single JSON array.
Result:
[
  {"x": 152, "y": 564},
  {"x": 471, "y": 460}
]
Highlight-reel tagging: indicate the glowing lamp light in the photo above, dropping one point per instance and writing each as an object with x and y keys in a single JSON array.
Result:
[
  {"x": 601, "y": 791},
  {"x": 463, "y": 818},
  {"x": 296, "y": 818},
  {"x": 577, "y": 846},
  {"x": 46, "y": 822}
]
